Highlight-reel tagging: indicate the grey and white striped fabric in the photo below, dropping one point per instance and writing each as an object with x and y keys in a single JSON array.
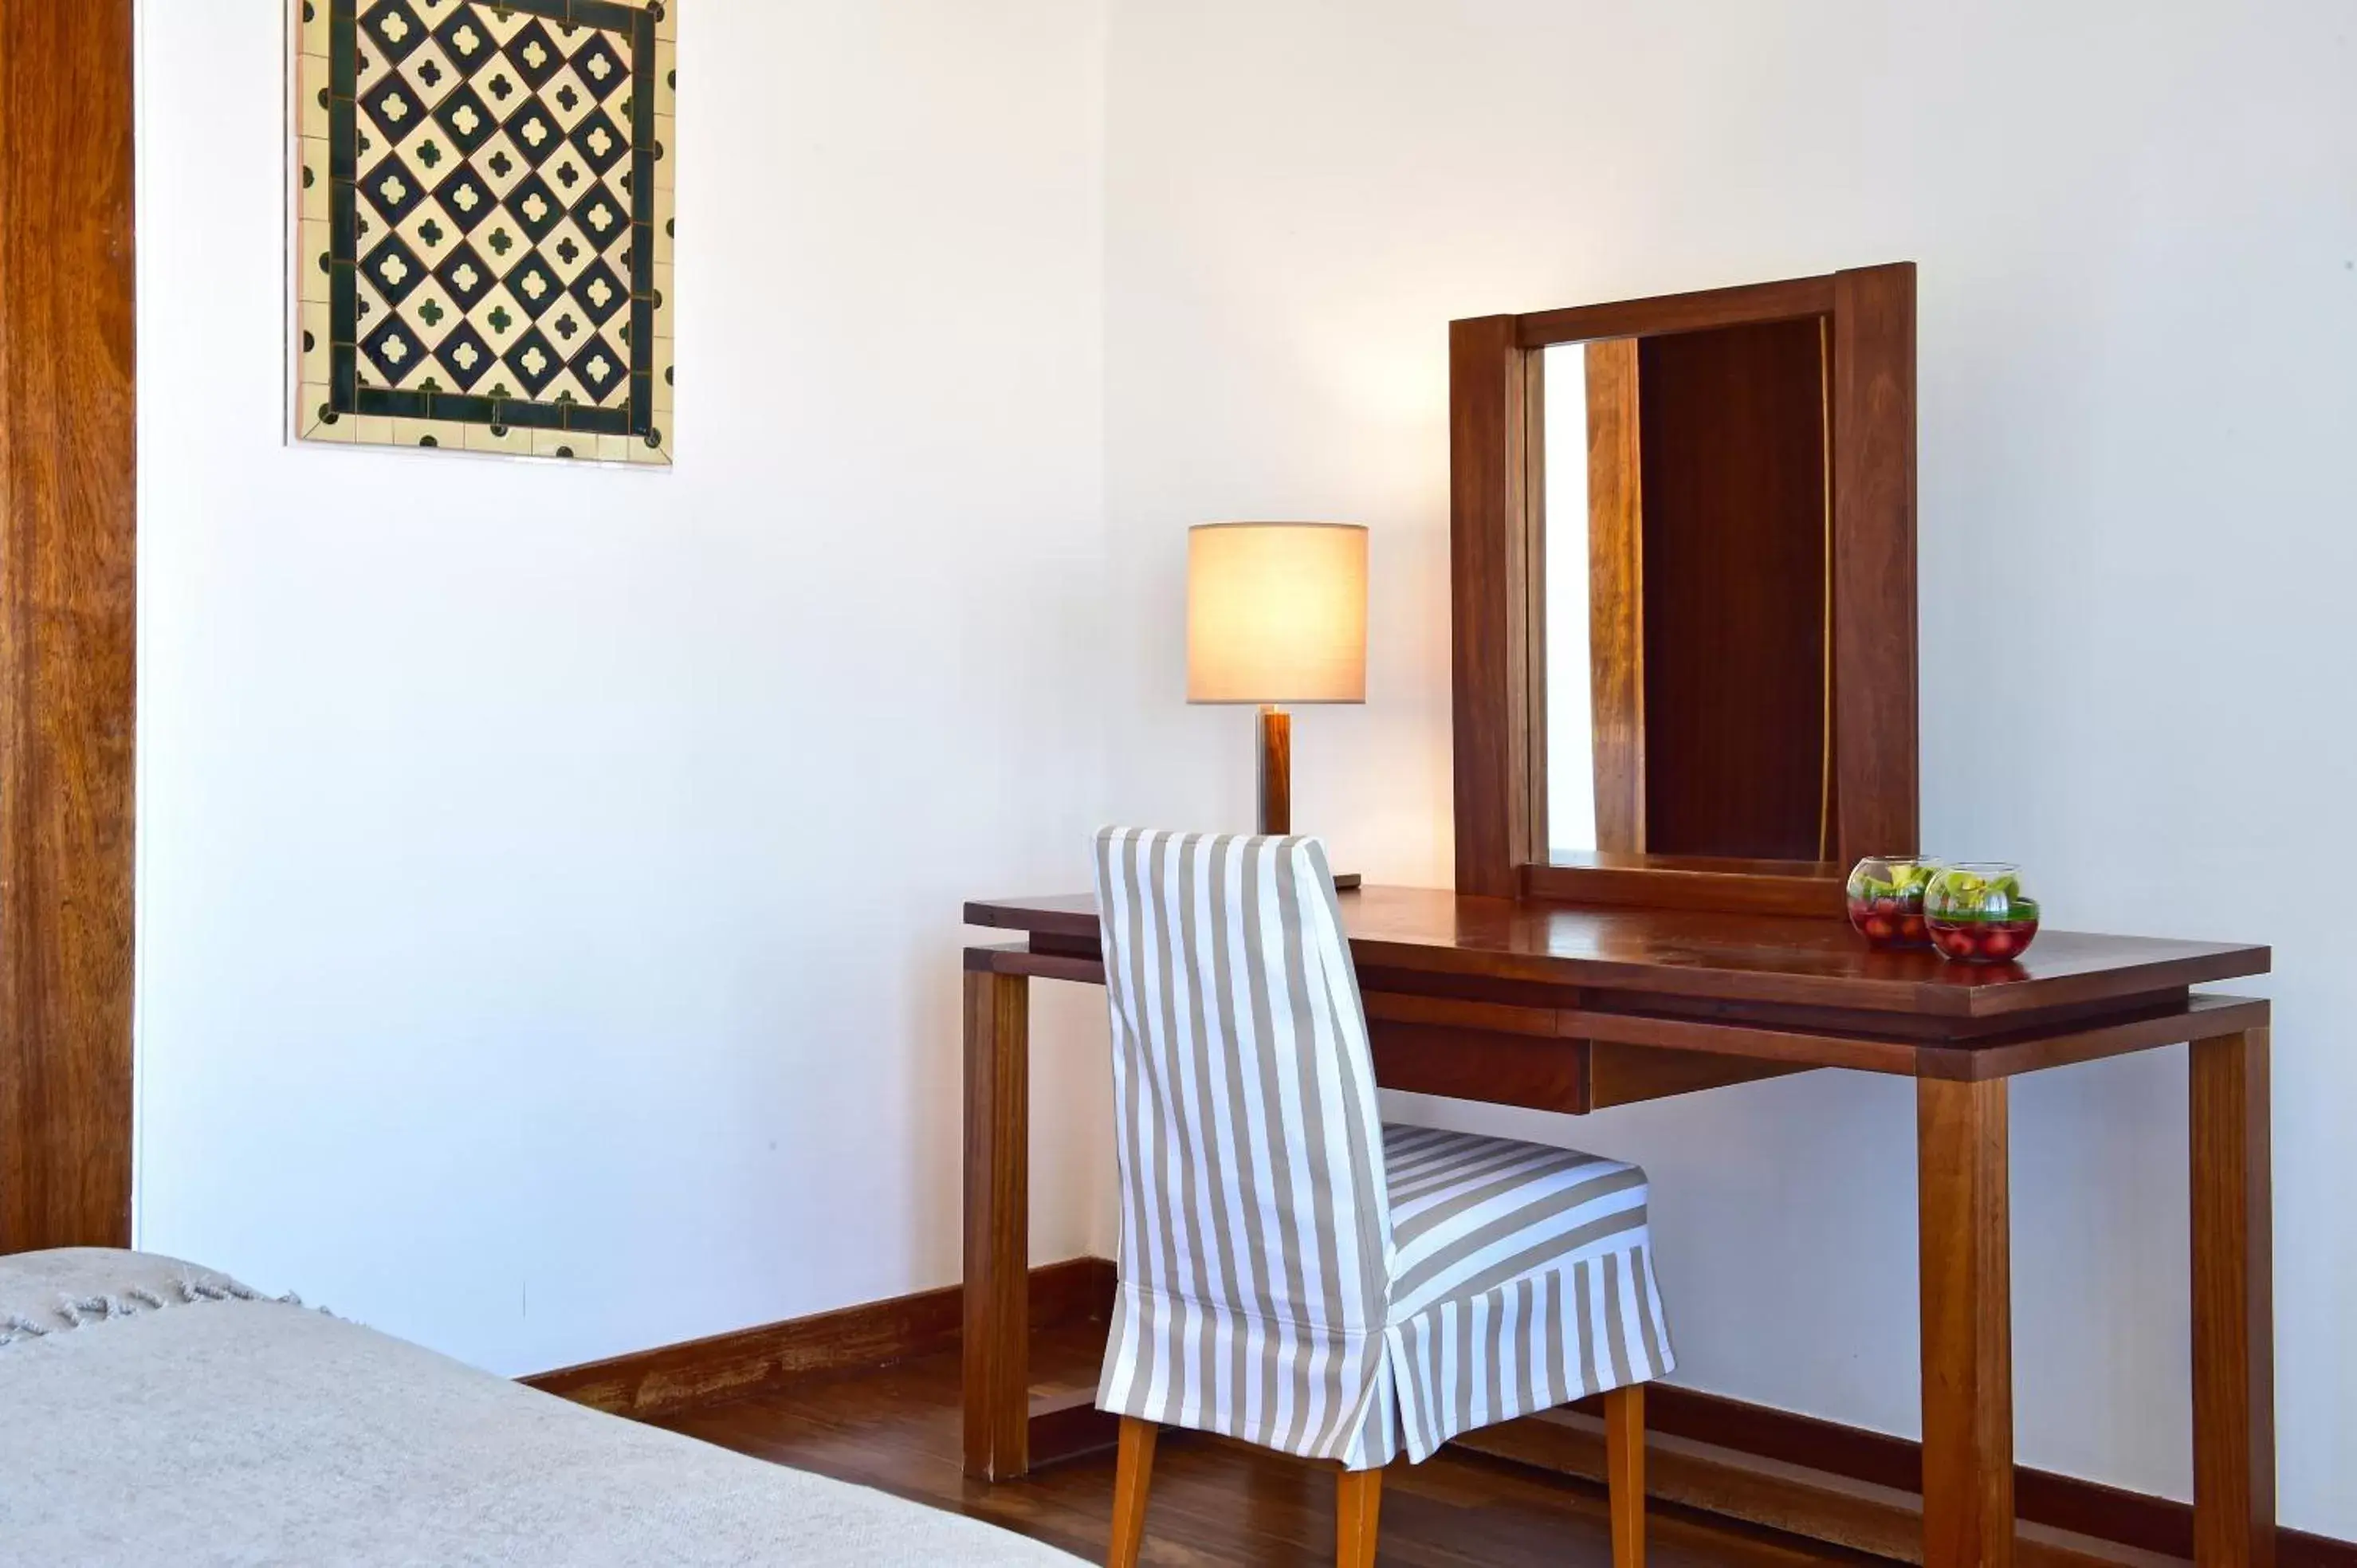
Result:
[{"x": 1294, "y": 1273}]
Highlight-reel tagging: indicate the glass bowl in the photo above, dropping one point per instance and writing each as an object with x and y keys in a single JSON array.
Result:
[
  {"x": 1978, "y": 913},
  {"x": 1886, "y": 900}
]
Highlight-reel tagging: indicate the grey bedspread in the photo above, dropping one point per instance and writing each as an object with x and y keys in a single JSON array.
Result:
[{"x": 155, "y": 1412}]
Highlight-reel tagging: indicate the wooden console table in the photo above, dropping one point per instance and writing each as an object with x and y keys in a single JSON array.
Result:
[{"x": 1565, "y": 1009}]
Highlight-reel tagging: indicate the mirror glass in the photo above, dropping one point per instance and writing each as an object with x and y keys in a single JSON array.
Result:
[
  {"x": 1684, "y": 553},
  {"x": 1570, "y": 714}
]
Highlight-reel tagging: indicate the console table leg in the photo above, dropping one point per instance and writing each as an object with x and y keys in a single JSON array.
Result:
[
  {"x": 2233, "y": 1304},
  {"x": 1966, "y": 1280},
  {"x": 997, "y": 1225}
]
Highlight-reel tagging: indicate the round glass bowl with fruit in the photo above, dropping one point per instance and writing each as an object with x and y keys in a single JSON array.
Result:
[
  {"x": 1979, "y": 913},
  {"x": 1886, "y": 900}
]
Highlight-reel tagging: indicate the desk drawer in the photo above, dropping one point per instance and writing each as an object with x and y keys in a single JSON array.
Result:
[
  {"x": 1534, "y": 1070},
  {"x": 1500, "y": 1053}
]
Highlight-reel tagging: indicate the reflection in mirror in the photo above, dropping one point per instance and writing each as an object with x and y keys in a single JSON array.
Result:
[
  {"x": 1570, "y": 732},
  {"x": 1687, "y": 517}
]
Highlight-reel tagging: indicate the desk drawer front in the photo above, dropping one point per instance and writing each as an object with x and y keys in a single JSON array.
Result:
[{"x": 1537, "y": 1071}]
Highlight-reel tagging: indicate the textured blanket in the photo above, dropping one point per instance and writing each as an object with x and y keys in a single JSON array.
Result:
[{"x": 155, "y": 1412}]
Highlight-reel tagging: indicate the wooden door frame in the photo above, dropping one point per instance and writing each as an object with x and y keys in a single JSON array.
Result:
[{"x": 69, "y": 473}]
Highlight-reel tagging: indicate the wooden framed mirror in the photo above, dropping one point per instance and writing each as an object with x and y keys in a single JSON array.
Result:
[{"x": 1683, "y": 550}]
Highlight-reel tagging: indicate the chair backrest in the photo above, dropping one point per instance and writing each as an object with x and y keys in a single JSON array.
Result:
[{"x": 1251, "y": 1149}]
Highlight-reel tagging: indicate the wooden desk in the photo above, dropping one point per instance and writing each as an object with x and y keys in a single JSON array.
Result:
[{"x": 1568, "y": 1009}]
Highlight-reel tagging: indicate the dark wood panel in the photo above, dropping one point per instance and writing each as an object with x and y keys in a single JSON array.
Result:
[
  {"x": 1859, "y": 1053},
  {"x": 2062, "y": 1503},
  {"x": 2233, "y": 1301},
  {"x": 1694, "y": 312},
  {"x": 1936, "y": 1028},
  {"x": 1997, "y": 1028},
  {"x": 1275, "y": 771},
  {"x": 1017, "y": 960},
  {"x": 1471, "y": 1064},
  {"x": 1849, "y": 1452},
  {"x": 1378, "y": 981},
  {"x": 1616, "y": 594},
  {"x": 1799, "y": 1455},
  {"x": 1072, "y": 915},
  {"x": 1999, "y": 1045},
  {"x": 1875, "y": 785},
  {"x": 1624, "y": 1075},
  {"x": 68, "y": 547},
  {"x": 1754, "y": 960},
  {"x": 1675, "y": 882},
  {"x": 1861, "y": 738},
  {"x": 1738, "y": 959},
  {"x": 1090, "y": 947},
  {"x": 1964, "y": 1229},
  {"x": 1668, "y": 866},
  {"x": 1858, "y": 1515},
  {"x": 1543, "y": 1018},
  {"x": 674, "y": 1379},
  {"x": 1733, "y": 545},
  {"x": 2045, "y": 1046},
  {"x": 2000, "y": 1055},
  {"x": 998, "y": 1324},
  {"x": 1486, "y": 1050},
  {"x": 1492, "y": 654},
  {"x": 1066, "y": 1424}
]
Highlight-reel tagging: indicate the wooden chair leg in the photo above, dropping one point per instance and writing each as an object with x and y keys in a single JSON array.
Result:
[
  {"x": 1624, "y": 1453},
  {"x": 1133, "y": 1475},
  {"x": 1357, "y": 1497}
]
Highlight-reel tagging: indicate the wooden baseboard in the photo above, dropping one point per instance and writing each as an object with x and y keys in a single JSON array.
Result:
[
  {"x": 1795, "y": 1472},
  {"x": 674, "y": 1379},
  {"x": 1798, "y": 1499},
  {"x": 1856, "y": 1488}
]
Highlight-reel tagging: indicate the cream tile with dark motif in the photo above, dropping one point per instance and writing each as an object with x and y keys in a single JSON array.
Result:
[{"x": 484, "y": 211}]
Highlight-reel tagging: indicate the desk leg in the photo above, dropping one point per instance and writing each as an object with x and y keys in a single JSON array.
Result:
[
  {"x": 1966, "y": 1280},
  {"x": 997, "y": 1225},
  {"x": 2234, "y": 1304}
]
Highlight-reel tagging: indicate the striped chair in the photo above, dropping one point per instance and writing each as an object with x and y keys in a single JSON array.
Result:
[{"x": 1294, "y": 1273}]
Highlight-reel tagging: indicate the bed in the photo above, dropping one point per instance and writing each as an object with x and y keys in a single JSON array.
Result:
[{"x": 155, "y": 1412}]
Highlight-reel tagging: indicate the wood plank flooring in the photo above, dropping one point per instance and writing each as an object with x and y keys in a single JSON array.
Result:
[{"x": 1212, "y": 1502}]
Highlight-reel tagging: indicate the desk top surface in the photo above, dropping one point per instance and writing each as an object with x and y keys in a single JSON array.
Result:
[{"x": 1742, "y": 958}]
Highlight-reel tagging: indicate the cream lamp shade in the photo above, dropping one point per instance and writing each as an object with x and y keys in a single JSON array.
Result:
[{"x": 1276, "y": 612}]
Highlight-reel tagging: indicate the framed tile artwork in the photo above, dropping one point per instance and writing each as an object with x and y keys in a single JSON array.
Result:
[{"x": 483, "y": 225}]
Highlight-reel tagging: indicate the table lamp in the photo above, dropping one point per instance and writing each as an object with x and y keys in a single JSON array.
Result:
[{"x": 1277, "y": 613}]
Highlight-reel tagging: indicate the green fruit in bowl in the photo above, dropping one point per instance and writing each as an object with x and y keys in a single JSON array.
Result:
[
  {"x": 1979, "y": 913},
  {"x": 1885, "y": 899}
]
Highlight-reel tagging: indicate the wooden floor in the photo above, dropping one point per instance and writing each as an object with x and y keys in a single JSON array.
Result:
[{"x": 1213, "y": 1501}]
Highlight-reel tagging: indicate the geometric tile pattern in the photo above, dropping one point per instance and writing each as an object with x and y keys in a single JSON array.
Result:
[{"x": 486, "y": 193}]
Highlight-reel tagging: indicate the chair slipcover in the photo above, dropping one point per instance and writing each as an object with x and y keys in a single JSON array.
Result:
[{"x": 1294, "y": 1273}]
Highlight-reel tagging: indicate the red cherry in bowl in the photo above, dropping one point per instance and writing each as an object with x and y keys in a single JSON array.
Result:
[{"x": 1982, "y": 942}]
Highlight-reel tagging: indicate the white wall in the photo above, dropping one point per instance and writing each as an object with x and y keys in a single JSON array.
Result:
[
  {"x": 2138, "y": 241},
  {"x": 549, "y": 877}
]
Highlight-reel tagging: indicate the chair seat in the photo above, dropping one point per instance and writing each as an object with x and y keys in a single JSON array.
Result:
[
  {"x": 1522, "y": 1280},
  {"x": 1470, "y": 1213}
]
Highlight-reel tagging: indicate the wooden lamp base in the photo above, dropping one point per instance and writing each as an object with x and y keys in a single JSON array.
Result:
[{"x": 1276, "y": 781}]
